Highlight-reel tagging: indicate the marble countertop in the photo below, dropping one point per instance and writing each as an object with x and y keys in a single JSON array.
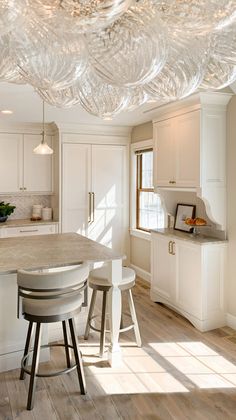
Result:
[
  {"x": 26, "y": 222},
  {"x": 47, "y": 251},
  {"x": 196, "y": 239}
]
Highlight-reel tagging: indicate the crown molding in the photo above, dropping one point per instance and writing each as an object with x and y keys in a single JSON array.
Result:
[
  {"x": 27, "y": 128},
  {"x": 196, "y": 101},
  {"x": 104, "y": 130}
]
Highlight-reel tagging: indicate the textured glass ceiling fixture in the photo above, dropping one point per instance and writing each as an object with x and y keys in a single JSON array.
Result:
[
  {"x": 112, "y": 56},
  {"x": 43, "y": 148}
]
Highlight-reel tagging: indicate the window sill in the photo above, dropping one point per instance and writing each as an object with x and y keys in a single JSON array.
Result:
[{"x": 140, "y": 234}]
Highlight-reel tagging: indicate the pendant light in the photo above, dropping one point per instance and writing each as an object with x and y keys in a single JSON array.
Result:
[{"x": 43, "y": 148}]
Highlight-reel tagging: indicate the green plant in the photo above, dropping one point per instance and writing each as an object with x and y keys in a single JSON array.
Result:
[{"x": 6, "y": 209}]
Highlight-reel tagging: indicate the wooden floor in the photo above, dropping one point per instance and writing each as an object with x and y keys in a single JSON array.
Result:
[{"x": 179, "y": 373}]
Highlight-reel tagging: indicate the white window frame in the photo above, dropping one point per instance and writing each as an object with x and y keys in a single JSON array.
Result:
[{"x": 140, "y": 145}]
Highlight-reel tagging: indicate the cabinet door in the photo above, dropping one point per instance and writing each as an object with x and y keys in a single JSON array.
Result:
[
  {"x": 187, "y": 143},
  {"x": 163, "y": 268},
  {"x": 37, "y": 168},
  {"x": 11, "y": 163},
  {"x": 76, "y": 185},
  {"x": 164, "y": 154},
  {"x": 109, "y": 188},
  {"x": 189, "y": 278}
]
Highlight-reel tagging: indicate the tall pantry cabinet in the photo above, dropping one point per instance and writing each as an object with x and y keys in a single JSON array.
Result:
[{"x": 95, "y": 192}]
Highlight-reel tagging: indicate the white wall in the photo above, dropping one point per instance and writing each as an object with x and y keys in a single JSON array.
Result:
[
  {"x": 140, "y": 249},
  {"x": 231, "y": 202}
]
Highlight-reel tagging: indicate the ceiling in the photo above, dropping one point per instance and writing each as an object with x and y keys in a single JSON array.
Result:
[{"x": 27, "y": 107}]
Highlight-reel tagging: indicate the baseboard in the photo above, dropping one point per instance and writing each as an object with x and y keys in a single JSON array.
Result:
[
  {"x": 145, "y": 275},
  {"x": 231, "y": 321}
]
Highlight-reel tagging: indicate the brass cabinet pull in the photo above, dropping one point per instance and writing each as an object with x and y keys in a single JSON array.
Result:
[
  {"x": 90, "y": 208},
  {"x": 172, "y": 182},
  {"x": 173, "y": 248},
  {"x": 170, "y": 247},
  {"x": 21, "y": 188},
  {"x": 93, "y": 208}
]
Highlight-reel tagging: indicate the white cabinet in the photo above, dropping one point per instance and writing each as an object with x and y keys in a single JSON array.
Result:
[
  {"x": 189, "y": 277},
  {"x": 22, "y": 170},
  {"x": 28, "y": 230},
  {"x": 94, "y": 189},
  {"x": 190, "y": 150},
  {"x": 11, "y": 158},
  {"x": 176, "y": 151}
]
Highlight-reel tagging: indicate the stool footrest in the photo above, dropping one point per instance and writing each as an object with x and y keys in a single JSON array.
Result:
[{"x": 48, "y": 375}]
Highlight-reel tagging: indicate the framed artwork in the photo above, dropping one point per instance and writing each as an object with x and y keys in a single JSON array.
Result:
[{"x": 183, "y": 211}]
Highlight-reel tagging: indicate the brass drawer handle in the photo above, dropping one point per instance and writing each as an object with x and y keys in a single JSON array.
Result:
[
  {"x": 170, "y": 247},
  {"x": 27, "y": 231},
  {"x": 173, "y": 248}
]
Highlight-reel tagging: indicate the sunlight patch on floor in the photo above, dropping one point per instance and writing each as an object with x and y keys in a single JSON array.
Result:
[{"x": 203, "y": 366}]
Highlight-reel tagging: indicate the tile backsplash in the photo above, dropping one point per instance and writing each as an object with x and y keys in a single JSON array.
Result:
[{"x": 24, "y": 204}]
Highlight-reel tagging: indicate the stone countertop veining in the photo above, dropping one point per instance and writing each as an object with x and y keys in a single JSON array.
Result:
[
  {"x": 48, "y": 251},
  {"x": 26, "y": 222},
  {"x": 196, "y": 239}
]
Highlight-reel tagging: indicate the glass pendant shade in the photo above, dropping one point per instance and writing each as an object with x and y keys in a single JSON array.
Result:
[
  {"x": 137, "y": 97},
  {"x": 11, "y": 12},
  {"x": 8, "y": 71},
  {"x": 47, "y": 61},
  {"x": 99, "y": 98},
  {"x": 43, "y": 148},
  {"x": 198, "y": 16},
  {"x": 218, "y": 75},
  {"x": 224, "y": 45},
  {"x": 64, "y": 98},
  {"x": 183, "y": 72},
  {"x": 79, "y": 16},
  {"x": 133, "y": 50}
]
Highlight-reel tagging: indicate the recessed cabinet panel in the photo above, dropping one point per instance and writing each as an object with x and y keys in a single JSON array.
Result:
[
  {"x": 108, "y": 181},
  {"x": 163, "y": 267},
  {"x": 188, "y": 278},
  {"x": 37, "y": 168},
  {"x": 76, "y": 178},
  {"x": 11, "y": 163},
  {"x": 164, "y": 158},
  {"x": 187, "y": 145}
]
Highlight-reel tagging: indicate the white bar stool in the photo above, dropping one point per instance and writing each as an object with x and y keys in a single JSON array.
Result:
[
  {"x": 50, "y": 296},
  {"x": 98, "y": 281}
]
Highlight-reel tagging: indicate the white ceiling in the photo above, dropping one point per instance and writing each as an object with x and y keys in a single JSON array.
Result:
[{"x": 27, "y": 107}]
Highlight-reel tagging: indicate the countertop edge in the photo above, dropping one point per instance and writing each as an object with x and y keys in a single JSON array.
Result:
[{"x": 188, "y": 237}]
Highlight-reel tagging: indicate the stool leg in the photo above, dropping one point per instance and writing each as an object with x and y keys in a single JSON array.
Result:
[
  {"x": 134, "y": 319},
  {"x": 27, "y": 344},
  {"x": 34, "y": 367},
  {"x": 67, "y": 350},
  {"x": 78, "y": 358},
  {"x": 103, "y": 324},
  {"x": 90, "y": 314}
]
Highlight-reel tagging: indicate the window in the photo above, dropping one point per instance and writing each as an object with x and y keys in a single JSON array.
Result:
[{"x": 149, "y": 211}]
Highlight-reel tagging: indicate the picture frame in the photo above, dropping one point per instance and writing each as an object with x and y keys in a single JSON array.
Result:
[{"x": 184, "y": 211}]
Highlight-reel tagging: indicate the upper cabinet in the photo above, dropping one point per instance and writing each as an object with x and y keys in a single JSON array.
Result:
[
  {"x": 176, "y": 151},
  {"x": 190, "y": 150},
  {"x": 20, "y": 169}
]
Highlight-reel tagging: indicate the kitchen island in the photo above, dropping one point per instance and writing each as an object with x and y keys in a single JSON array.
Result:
[{"x": 44, "y": 252}]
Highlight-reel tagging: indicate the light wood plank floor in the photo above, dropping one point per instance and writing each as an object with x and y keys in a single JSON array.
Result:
[{"x": 179, "y": 373}]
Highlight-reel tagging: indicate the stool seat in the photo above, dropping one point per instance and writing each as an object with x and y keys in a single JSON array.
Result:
[
  {"x": 98, "y": 278},
  {"x": 52, "y": 307}
]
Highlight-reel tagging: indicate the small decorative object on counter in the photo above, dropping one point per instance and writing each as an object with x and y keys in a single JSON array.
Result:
[
  {"x": 5, "y": 210},
  {"x": 183, "y": 212},
  {"x": 47, "y": 213},
  {"x": 37, "y": 212},
  {"x": 196, "y": 223}
]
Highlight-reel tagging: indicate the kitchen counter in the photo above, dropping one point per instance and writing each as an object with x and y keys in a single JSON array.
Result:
[
  {"x": 196, "y": 239},
  {"x": 26, "y": 222},
  {"x": 48, "y": 251},
  {"x": 45, "y": 251}
]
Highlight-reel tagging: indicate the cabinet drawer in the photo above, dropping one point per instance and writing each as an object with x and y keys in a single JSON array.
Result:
[{"x": 29, "y": 230}]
